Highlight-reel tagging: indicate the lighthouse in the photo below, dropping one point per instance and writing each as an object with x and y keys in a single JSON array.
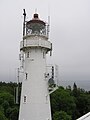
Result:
[{"x": 35, "y": 100}]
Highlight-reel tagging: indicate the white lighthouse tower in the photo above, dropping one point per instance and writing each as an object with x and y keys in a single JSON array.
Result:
[{"x": 35, "y": 101}]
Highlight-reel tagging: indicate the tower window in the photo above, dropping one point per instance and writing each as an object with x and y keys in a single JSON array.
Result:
[
  {"x": 25, "y": 99},
  {"x": 43, "y": 54},
  {"x": 27, "y": 54},
  {"x": 26, "y": 75},
  {"x": 46, "y": 98}
]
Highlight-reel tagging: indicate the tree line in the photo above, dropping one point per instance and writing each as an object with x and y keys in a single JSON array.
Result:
[
  {"x": 70, "y": 104},
  {"x": 66, "y": 103}
]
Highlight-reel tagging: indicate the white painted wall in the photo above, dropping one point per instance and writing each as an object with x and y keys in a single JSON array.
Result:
[{"x": 35, "y": 86}]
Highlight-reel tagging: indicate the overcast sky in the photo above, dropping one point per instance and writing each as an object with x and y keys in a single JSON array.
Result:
[{"x": 69, "y": 33}]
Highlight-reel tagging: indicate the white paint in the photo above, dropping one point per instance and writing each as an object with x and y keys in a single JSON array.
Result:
[
  {"x": 85, "y": 117},
  {"x": 35, "y": 43},
  {"x": 35, "y": 87}
]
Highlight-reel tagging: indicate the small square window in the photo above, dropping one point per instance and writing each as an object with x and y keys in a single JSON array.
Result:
[
  {"x": 28, "y": 55},
  {"x": 26, "y": 75},
  {"x": 25, "y": 99}
]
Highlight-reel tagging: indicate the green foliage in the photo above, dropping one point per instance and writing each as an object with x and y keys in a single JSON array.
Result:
[
  {"x": 62, "y": 100},
  {"x": 14, "y": 114},
  {"x": 2, "y": 116},
  {"x": 66, "y": 104},
  {"x": 8, "y": 112},
  {"x": 61, "y": 116},
  {"x": 74, "y": 102},
  {"x": 8, "y": 109},
  {"x": 5, "y": 96}
]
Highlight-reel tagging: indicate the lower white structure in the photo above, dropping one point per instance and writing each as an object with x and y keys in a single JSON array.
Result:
[
  {"x": 85, "y": 117},
  {"x": 35, "y": 101}
]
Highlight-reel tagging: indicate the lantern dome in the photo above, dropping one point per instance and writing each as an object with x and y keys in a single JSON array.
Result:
[{"x": 36, "y": 26}]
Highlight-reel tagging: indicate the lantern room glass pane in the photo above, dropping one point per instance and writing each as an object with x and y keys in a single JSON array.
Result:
[{"x": 36, "y": 29}]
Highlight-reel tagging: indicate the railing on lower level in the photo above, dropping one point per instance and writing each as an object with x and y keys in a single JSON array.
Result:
[{"x": 35, "y": 43}]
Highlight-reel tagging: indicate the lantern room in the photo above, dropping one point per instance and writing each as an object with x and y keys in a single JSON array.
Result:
[{"x": 36, "y": 26}]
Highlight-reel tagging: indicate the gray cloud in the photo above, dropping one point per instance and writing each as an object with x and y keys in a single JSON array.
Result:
[{"x": 70, "y": 35}]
